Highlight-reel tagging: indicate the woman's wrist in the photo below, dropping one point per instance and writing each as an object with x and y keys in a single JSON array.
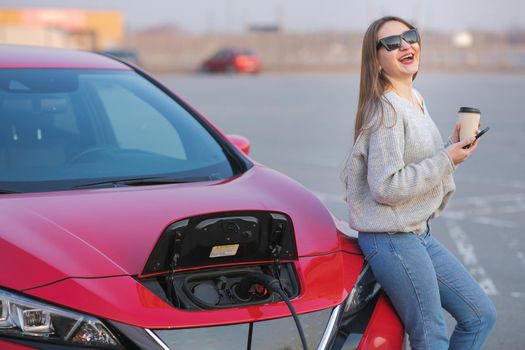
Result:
[{"x": 450, "y": 140}]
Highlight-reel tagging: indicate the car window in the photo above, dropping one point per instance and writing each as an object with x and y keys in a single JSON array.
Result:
[
  {"x": 64, "y": 119},
  {"x": 223, "y": 54},
  {"x": 137, "y": 124},
  {"x": 61, "y": 129}
]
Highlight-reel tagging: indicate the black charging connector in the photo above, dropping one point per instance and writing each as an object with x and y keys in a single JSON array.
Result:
[{"x": 243, "y": 290}]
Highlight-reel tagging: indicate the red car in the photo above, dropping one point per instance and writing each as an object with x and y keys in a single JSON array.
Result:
[
  {"x": 233, "y": 61},
  {"x": 128, "y": 221}
]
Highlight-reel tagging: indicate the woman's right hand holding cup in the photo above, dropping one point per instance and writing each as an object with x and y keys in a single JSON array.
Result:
[{"x": 456, "y": 150}]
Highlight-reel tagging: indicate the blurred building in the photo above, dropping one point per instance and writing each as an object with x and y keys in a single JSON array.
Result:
[
  {"x": 166, "y": 49},
  {"x": 72, "y": 28}
]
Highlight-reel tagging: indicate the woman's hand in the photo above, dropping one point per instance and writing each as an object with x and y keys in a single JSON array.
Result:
[
  {"x": 458, "y": 154},
  {"x": 455, "y": 134},
  {"x": 456, "y": 151}
]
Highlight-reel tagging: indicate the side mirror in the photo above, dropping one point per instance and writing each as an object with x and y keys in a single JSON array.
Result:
[{"x": 240, "y": 142}]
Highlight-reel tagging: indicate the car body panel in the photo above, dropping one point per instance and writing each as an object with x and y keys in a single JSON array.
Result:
[
  {"x": 385, "y": 330},
  {"x": 14, "y": 56},
  {"x": 5, "y": 345},
  {"x": 37, "y": 251},
  {"x": 125, "y": 300},
  {"x": 106, "y": 232}
]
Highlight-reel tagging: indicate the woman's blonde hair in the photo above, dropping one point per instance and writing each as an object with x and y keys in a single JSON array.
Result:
[{"x": 373, "y": 83}]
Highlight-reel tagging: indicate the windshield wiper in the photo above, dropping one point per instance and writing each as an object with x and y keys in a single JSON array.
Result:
[{"x": 141, "y": 181}]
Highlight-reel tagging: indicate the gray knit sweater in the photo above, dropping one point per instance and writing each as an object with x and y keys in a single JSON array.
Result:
[{"x": 399, "y": 174}]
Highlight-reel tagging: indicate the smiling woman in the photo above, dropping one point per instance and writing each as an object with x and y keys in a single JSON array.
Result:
[
  {"x": 399, "y": 178},
  {"x": 398, "y": 54}
]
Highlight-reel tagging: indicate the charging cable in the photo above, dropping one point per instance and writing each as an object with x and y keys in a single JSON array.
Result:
[{"x": 242, "y": 289}]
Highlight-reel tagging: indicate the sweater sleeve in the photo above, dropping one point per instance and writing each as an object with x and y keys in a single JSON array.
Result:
[
  {"x": 391, "y": 181},
  {"x": 448, "y": 142}
]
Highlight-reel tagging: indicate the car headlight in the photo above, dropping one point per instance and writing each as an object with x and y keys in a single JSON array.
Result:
[
  {"x": 365, "y": 289},
  {"x": 21, "y": 317}
]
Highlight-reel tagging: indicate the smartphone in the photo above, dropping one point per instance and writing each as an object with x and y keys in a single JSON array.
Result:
[{"x": 478, "y": 136}]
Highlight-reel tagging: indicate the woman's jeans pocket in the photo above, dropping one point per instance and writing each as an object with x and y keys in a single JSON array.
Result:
[{"x": 368, "y": 244}]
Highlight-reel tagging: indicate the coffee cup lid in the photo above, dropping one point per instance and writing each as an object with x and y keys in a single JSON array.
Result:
[{"x": 469, "y": 110}]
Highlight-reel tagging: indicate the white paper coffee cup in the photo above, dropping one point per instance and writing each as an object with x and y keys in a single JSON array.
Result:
[{"x": 469, "y": 119}]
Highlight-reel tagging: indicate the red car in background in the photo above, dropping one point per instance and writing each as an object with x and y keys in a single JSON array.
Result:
[
  {"x": 128, "y": 221},
  {"x": 233, "y": 61}
]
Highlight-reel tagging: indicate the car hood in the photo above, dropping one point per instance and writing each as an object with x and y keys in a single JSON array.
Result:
[{"x": 47, "y": 237}]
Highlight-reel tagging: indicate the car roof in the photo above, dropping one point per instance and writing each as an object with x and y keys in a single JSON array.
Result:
[{"x": 19, "y": 56}]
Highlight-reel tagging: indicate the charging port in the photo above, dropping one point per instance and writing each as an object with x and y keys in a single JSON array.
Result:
[{"x": 220, "y": 288}]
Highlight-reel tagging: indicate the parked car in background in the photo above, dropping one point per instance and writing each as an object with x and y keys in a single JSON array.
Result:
[
  {"x": 232, "y": 60},
  {"x": 128, "y": 221}
]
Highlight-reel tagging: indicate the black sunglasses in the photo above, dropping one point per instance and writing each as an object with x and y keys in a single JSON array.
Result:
[{"x": 394, "y": 42}]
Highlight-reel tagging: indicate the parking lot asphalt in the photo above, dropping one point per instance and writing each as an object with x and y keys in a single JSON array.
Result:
[{"x": 302, "y": 126}]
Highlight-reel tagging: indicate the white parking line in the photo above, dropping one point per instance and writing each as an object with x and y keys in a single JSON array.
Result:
[
  {"x": 521, "y": 257},
  {"x": 496, "y": 182},
  {"x": 487, "y": 199},
  {"x": 494, "y": 222},
  {"x": 517, "y": 295},
  {"x": 458, "y": 215},
  {"x": 489, "y": 210},
  {"x": 468, "y": 256},
  {"x": 481, "y": 209}
]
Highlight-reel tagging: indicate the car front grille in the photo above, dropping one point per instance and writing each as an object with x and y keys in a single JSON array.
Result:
[{"x": 277, "y": 334}]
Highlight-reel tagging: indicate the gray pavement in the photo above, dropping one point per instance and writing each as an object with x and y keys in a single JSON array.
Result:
[{"x": 302, "y": 126}]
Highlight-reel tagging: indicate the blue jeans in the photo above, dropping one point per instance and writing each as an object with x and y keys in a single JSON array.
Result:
[{"x": 420, "y": 276}]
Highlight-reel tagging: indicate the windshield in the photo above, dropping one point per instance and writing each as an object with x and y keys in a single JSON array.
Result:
[{"x": 63, "y": 129}]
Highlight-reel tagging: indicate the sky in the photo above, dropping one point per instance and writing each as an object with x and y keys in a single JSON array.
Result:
[{"x": 301, "y": 15}]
